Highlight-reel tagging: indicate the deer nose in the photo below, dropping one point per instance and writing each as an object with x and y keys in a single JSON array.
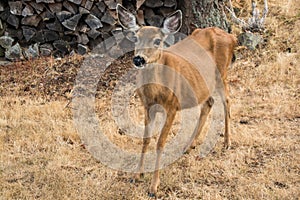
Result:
[{"x": 138, "y": 61}]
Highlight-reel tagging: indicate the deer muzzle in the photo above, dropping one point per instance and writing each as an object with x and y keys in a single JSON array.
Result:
[{"x": 139, "y": 61}]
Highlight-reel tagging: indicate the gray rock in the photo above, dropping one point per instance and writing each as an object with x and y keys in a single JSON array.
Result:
[
  {"x": 72, "y": 22},
  {"x": 109, "y": 43},
  {"x": 32, "y": 51},
  {"x": 47, "y": 15},
  {"x": 2, "y": 28},
  {"x": 27, "y": 11},
  {"x": 45, "y": 1},
  {"x": 61, "y": 46},
  {"x": 83, "y": 28},
  {"x": 118, "y": 34},
  {"x": 78, "y": 2},
  {"x": 55, "y": 7},
  {"x": 5, "y": 14},
  {"x": 148, "y": 13},
  {"x": 38, "y": 37},
  {"x": 63, "y": 15},
  {"x": 170, "y": 3},
  {"x": 13, "y": 20},
  {"x": 107, "y": 28},
  {"x": 83, "y": 10},
  {"x": 93, "y": 33},
  {"x": 105, "y": 34},
  {"x": 55, "y": 26},
  {"x": 107, "y": 18},
  {"x": 126, "y": 45},
  {"x": 156, "y": 21},
  {"x": 93, "y": 22},
  {"x": 33, "y": 20},
  {"x": 84, "y": 39},
  {"x": 15, "y": 7},
  {"x": 95, "y": 11},
  {"x": 1, "y": 6},
  {"x": 130, "y": 35},
  {"x": 115, "y": 52},
  {"x": 70, "y": 7},
  {"x": 6, "y": 42},
  {"x": 1, "y": 25},
  {"x": 28, "y": 32},
  {"x": 111, "y": 4},
  {"x": 97, "y": 45},
  {"x": 50, "y": 35},
  {"x": 82, "y": 49},
  {"x": 46, "y": 49},
  {"x": 165, "y": 11},
  {"x": 4, "y": 62},
  {"x": 38, "y": 7},
  {"x": 18, "y": 34},
  {"x": 250, "y": 40},
  {"x": 101, "y": 6},
  {"x": 89, "y": 4},
  {"x": 154, "y": 3},
  {"x": 14, "y": 53},
  {"x": 2, "y": 52}
]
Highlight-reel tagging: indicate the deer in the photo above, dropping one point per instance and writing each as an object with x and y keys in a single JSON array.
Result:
[{"x": 218, "y": 46}]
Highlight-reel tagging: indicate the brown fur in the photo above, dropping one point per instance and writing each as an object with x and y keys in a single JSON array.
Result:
[{"x": 219, "y": 46}]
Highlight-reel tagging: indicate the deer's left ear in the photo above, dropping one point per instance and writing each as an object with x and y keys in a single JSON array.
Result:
[
  {"x": 126, "y": 19},
  {"x": 172, "y": 24}
]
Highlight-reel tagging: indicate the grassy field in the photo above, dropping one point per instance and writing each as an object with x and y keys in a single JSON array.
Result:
[{"x": 42, "y": 156}]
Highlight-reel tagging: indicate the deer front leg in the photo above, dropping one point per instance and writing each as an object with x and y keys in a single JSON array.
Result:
[
  {"x": 146, "y": 142},
  {"x": 205, "y": 110},
  {"x": 140, "y": 169},
  {"x": 159, "y": 150}
]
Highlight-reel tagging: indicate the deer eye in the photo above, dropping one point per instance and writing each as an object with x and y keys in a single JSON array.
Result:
[{"x": 157, "y": 42}]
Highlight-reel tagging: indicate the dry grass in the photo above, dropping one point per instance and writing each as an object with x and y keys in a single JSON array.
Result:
[{"x": 42, "y": 156}]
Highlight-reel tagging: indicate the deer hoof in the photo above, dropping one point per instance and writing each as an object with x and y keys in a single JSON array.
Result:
[
  {"x": 187, "y": 151},
  {"x": 132, "y": 180},
  {"x": 136, "y": 178},
  {"x": 153, "y": 188},
  {"x": 151, "y": 195},
  {"x": 227, "y": 145},
  {"x": 188, "y": 148}
]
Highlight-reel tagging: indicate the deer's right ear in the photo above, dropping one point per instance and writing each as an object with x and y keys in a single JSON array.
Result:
[{"x": 126, "y": 19}]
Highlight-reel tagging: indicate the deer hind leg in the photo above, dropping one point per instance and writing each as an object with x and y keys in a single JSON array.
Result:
[
  {"x": 146, "y": 142},
  {"x": 159, "y": 150},
  {"x": 205, "y": 110},
  {"x": 226, "y": 103},
  {"x": 223, "y": 90}
]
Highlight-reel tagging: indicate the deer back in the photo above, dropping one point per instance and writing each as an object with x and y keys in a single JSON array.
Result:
[{"x": 219, "y": 44}]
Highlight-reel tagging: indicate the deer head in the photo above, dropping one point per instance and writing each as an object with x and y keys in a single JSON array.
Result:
[{"x": 149, "y": 40}]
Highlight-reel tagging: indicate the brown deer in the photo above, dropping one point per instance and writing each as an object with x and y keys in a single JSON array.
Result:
[{"x": 210, "y": 48}]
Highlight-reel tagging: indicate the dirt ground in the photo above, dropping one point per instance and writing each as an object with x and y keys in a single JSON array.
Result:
[{"x": 42, "y": 156}]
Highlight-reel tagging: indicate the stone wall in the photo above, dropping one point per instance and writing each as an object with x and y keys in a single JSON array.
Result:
[{"x": 31, "y": 28}]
